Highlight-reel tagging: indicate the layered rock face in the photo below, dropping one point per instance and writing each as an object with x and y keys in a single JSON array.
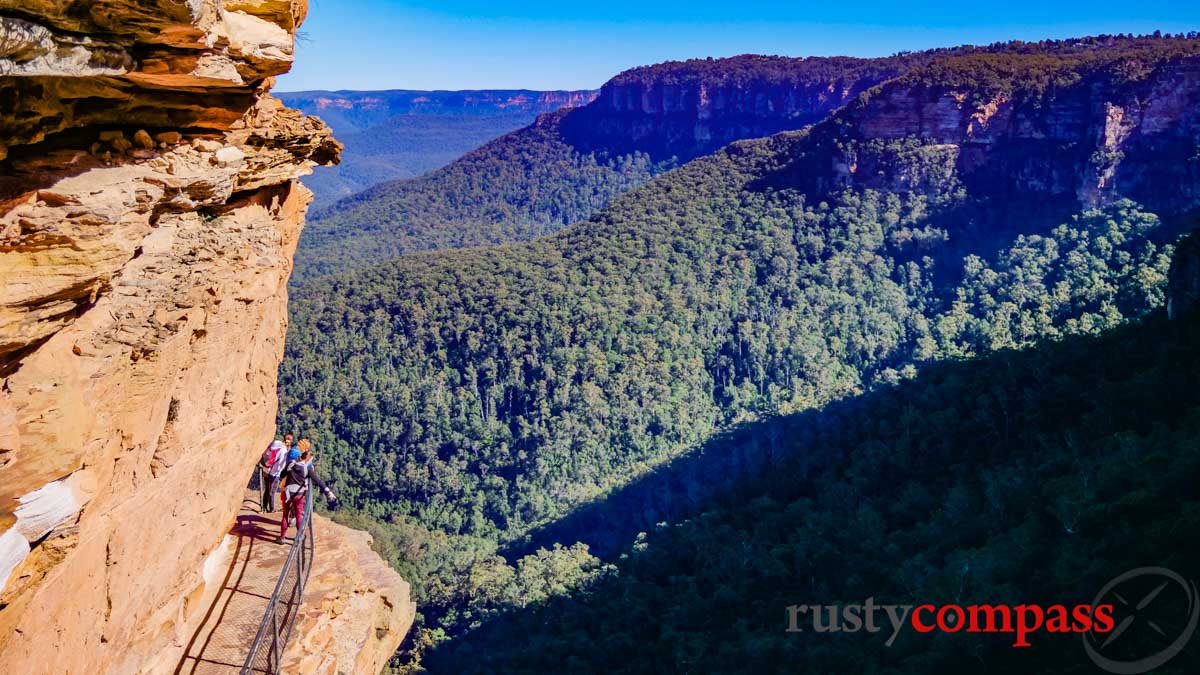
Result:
[
  {"x": 1102, "y": 137},
  {"x": 114, "y": 62},
  {"x": 149, "y": 209},
  {"x": 688, "y": 109}
]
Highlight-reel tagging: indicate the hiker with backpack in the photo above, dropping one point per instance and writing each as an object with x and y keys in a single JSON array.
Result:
[
  {"x": 270, "y": 466},
  {"x": 297, "y": 477}
]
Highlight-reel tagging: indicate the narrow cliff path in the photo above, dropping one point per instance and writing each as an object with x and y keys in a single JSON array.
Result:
[{"x": 223, "y": 640}]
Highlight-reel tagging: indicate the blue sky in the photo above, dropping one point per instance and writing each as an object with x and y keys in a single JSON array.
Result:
[{"x": 566, "y": 44}]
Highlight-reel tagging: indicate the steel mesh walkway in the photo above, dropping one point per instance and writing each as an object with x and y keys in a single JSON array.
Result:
[
  {"x": 238, "y": 635},
  {"x": 266, "y": 652}
]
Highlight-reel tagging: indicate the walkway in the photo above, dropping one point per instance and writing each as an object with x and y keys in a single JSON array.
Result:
[{"x": 222, "y": 641}]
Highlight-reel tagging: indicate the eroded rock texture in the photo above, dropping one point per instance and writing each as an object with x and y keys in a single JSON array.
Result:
[
  {"x": 1100, "y": 138},
  {"x": 348, "y": 579},
  {"x": 114, "y": 62},
  {"x": 149, "y": 209}
]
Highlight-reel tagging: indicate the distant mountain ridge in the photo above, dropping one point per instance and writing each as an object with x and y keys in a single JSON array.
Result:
[
  {"x": 403, "y": 133},
  {"x": 571, "y": 162},
  {"x": 351, "y": 111}
]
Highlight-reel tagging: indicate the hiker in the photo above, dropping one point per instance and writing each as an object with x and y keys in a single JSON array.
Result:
[
  {"x": 293, "y": 454},
  {"x": 270, "y": 465},
  {"x": 297, "y": 477}
]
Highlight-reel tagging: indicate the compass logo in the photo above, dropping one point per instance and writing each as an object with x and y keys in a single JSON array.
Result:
[{"x": 1155, "y": 620}]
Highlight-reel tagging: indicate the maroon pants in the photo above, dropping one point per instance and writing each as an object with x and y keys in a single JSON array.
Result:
[{"x": 295, "y": 505}]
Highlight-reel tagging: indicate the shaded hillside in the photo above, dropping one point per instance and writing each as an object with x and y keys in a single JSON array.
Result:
[
  {"x": 398, "y": 134},
  {"x": 1023, "y": 477}
]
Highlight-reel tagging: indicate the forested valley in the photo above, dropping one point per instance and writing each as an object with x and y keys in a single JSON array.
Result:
[
  {"x": 1019, "y": 477},
  {"x": 825, "y": 363}
]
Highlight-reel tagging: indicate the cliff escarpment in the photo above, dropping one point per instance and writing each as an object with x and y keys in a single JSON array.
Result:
[
  {"x": 574, "y": 397},
  {"x": 149, "y": 210},
  {"x": 1076, "y": 129},
  {"x": 686, "y": 109}
]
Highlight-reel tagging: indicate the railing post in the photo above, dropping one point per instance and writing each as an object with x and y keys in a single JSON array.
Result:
[{"x": 273, "y": 664}]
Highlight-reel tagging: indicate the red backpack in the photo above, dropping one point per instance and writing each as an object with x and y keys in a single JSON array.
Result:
[{"x": 271, "y": 453}]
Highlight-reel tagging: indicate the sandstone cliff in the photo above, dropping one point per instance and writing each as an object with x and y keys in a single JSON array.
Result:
[
  {"x": 149, "y": 209},
  {"x": 689, "y": 108},
  {"x": 349, "y": 580},
  {"x": 1098, "y": 135}
]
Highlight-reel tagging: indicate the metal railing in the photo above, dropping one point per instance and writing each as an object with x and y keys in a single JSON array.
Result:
[{"x": 284, "y": 605}]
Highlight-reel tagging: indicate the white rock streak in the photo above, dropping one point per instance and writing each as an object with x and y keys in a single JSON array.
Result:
[
  {"x": 43, "y": 509},
  {"x": 13, "y": 549}
]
